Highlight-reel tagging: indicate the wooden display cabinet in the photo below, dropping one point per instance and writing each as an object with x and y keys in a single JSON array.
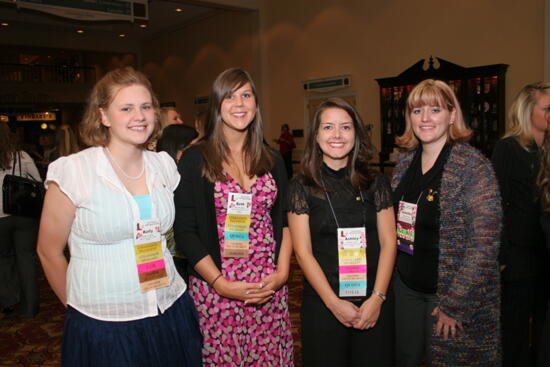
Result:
[{"x": 480, "y": 91}]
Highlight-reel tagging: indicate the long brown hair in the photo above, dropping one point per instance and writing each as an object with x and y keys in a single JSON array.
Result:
[
  {"x": 7, "y": 147},
  {"x": 433, "y": 92},
  {"x": 359, "y": 157},
  {"x": 92, "y": 131},
  {"x": 543, "y": 179},
  {"x": 215, "y": 151}
]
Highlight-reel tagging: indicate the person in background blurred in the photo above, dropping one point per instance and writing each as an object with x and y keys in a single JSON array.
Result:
[
  {"x": 67, "y": 142},
  {"x": 543, "y": 186},
  {"x": 524, "y": 261},
  {"x": 18, "y": 274},
  {"x": 286, "y": 145},
  {"x": 174, "y": 140},
  {"x": 199, "y": 126},
  {"x": 169, "y": 116}
]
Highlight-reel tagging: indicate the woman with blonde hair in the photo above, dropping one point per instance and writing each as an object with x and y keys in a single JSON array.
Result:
[
  {"x": 543, "y": 187},
  {"x": 113, "y": 203},
  {"x": 523, "y": 258},
  {"x": 448, "y": 220},
  {"x": 67, "y": 142}
]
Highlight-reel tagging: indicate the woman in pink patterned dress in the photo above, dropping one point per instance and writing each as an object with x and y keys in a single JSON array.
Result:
[{"x": 231, "y": 226}]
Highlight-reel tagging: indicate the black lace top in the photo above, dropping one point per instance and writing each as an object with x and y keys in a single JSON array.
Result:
[{"x": 350, "y": 212}]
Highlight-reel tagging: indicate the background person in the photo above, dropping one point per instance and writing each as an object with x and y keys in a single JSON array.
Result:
[
  {"x": 174, "y": 140},
  {"x": 231, "y": 226},
  {"x": 18, "y": 276},
  {"x": 286, "y": 145},
  {"x": 337, "y": 190},
  {"x": 543, "y": 186},
  {"x": 523, "y": 257},
  {"x": 448, "y": 222},
  {"x": 113, "y": 203}
]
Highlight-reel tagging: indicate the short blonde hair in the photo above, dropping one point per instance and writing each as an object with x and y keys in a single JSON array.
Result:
[
  {"x": 433, "y": 93},
  {"x": 92, "y": 131},
  {"x": 519, "y": 115},
  {"x": 164, "y": 116}
]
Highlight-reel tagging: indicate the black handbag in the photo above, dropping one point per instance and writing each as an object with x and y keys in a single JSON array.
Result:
[{"x": 23, "y": 196}]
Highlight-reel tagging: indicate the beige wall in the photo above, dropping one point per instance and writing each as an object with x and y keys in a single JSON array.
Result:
[
  {"x": 371, "y": 39},
  {"x": 183, "y": 64}
]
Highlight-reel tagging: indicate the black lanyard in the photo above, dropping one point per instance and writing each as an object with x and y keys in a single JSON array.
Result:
[{"x": 332, "y": 208}]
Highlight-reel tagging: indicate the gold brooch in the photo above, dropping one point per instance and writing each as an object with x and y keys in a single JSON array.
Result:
[{"x": 431, "y": 195}]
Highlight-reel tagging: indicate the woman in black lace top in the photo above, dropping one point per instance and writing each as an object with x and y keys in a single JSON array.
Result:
[{"x": 343, "y": 229}]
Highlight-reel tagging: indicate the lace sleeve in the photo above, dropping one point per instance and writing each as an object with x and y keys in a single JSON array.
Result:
[
  {"x": 382, "y": 193},
  {"x": 297, "y": 197}
]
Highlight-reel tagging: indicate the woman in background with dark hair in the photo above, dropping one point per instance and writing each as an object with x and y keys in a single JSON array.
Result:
[
  {"x": 231, "y": 227},
  {"x": 343, "y": 231},
  {"x": 18, "y": 278},
  {"x": 174, "y": 140}
]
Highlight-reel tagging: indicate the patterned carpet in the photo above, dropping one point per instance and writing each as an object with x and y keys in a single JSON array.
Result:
[{"x": 37, "y": 342}]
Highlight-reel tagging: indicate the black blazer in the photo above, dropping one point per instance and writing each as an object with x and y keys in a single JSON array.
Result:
[{"x": 195, "y": 228}]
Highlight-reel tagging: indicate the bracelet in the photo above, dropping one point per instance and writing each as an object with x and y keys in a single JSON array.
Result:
[
  {"x": 381, "y": 295},
  {"x": 215, "y": 279}
]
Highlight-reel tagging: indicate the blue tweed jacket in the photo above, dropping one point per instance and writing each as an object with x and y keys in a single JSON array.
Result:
[{"x": 468, "y": 285}]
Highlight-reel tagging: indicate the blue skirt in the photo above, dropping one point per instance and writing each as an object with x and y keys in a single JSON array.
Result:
[{"x": 169, "y": 339}]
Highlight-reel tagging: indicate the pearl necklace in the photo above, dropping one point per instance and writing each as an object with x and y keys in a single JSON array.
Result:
[{"x": 112, "y": 159}]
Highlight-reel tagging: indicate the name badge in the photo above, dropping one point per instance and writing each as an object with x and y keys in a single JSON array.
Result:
[
  {"x": 151, "y": 267},
  {"x": 406, "y": 219},
  {"x": 237, "y": 225},
  {"x": 352, "y": 261}
]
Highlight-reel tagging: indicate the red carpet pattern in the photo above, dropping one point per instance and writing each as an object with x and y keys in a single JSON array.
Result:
[{"x": 37, "y": 342}]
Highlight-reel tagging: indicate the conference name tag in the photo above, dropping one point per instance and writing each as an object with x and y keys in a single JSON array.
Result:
[
  {"x": 237, "y": 225},
  {"x": 151, "y": 267},
  {"x": 406, "y": 219},
  {"x": 352, "y": 261}
]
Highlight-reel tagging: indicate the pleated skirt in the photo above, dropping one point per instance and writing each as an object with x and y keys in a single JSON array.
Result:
[{"x": 169, "y": 339}]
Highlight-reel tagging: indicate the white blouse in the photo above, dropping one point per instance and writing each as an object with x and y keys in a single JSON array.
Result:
[{"x": 102, "y": 278}]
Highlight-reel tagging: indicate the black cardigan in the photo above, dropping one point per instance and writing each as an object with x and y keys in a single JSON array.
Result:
[{"x": 195, "y": 228}]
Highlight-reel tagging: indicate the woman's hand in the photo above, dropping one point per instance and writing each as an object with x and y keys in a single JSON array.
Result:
[
  {"x": 346, "y": 312},
  {"x": 369, "y": 313},
  {"x": 249, "y": 293},
  {"x": 445, "y": 324}
]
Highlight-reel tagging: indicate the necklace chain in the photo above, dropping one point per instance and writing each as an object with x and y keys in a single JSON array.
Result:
[{"x": 112, "y": 159}]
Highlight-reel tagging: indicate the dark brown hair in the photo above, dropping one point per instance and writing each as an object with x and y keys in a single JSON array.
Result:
[
  {"x": 215, "y": 151},
  {"x": 359, "y": 157},
  {"x": 7, "y": 147},
  {"x": 92, "y": 131}
]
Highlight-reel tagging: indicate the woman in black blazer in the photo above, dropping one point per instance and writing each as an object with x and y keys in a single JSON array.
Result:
[{"x": 231, "y": 226}]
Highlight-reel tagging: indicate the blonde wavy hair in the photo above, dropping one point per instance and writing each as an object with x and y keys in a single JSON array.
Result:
[{"x": 519, "y": 115}]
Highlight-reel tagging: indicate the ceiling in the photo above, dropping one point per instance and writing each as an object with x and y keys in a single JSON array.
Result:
[{"x": 163, "y": 17}]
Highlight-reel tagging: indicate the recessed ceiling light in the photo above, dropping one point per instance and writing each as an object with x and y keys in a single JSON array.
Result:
[
  {"x": 179, "y": 10},
  {"x": 122, "y": 35},
  {"x": 4, "y": 24},
  {"x": 143, "y": 26},
  {"x": 79, "y": 31}
]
